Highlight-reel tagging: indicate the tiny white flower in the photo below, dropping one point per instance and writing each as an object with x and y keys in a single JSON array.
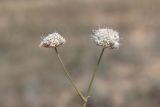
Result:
[
  {"x": 52, "y": 40},
  {"x": 108, "y": 38}
]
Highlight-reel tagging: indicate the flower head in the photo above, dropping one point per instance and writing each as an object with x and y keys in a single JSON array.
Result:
[
  {"x": 52, "y": 40},
  {"x": 108, "y": 38}
]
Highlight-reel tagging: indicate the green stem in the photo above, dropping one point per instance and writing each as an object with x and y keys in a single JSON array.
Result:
[
  {"x": 85, "y": 104},
  {"x": 69, "y": 77},
  {"x": 93, "y": 76}
]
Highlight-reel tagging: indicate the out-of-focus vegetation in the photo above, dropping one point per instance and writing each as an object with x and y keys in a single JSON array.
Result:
[{"x": 31, "y": 76}]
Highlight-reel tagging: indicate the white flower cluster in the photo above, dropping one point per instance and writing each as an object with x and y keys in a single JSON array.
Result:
[
  {"x": 108, "y": 38},
  {"x": 52, "y": 40}
]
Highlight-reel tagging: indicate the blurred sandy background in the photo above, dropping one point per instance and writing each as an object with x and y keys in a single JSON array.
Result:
[{"x": 32, "y": 77}]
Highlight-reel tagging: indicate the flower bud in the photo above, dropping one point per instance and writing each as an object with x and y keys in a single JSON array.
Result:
[
  {"x": 52, "y": 40},
  {"x": 107, "y": 38}
]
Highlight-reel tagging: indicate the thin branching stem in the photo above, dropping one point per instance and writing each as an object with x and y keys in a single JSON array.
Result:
[
  {"x": 67, "y": 74},
  {"x": 93, "y": 76}
]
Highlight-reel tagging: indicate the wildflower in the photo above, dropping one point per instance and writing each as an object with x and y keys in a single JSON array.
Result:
[
  {"x": 52, "y": 40},
  {"x": 108, "y": 38}
]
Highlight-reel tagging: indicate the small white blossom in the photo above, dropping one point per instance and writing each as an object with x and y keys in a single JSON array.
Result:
[
  {"x": 52, "y": 40},
  {"x": 108, "y": 38}
]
